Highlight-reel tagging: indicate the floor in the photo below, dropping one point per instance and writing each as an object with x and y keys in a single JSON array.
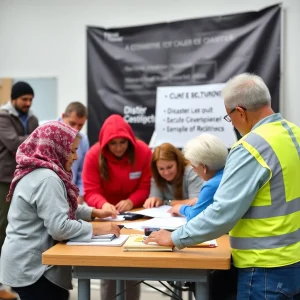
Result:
[{"x": 147, "y": 293}]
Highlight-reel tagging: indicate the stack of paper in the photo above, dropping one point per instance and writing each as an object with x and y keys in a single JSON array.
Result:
[
  {"x": 135, "y": 243},
  {"x": 117, "y": 219},
  {"x": 98, "y": 242},
  {"x": 104, "y": 237},
  {"x": 155, "y": 212},
  {"x": 171, "y": 223},
  {"x": 165, "y": 223}
]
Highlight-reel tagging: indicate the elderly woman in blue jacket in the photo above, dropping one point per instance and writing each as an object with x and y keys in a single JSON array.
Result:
[{"x": 207, "y": 154}]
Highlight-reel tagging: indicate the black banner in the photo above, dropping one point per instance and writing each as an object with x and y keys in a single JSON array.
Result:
[{"x": 126, "y": 65}]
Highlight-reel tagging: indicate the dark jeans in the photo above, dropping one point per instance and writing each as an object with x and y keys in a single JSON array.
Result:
[
  {"x": 4, "y": 206},
  {"x": 280, "y": 283},
  {"x": 223, "y": 284},
  {"x": 43, "y": 289}
]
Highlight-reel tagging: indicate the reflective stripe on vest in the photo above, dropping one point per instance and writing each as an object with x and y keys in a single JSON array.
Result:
[
  {"x": 279, "y": 205},
  {"x": 289, "y": 129},
  {"x": 269, "y": 242}
]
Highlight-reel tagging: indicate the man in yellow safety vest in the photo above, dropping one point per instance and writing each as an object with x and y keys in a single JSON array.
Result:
[{"x": 258, "y": 200}]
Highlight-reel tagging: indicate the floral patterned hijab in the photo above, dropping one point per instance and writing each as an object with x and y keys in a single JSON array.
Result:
[{"x": 48, "y": 147}]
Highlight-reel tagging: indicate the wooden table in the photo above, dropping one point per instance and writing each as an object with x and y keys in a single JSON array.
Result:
[{"x": 100, "y": 262}]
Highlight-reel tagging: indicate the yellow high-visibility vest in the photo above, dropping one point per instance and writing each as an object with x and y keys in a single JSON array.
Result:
[{"x": 268, "y": 235}]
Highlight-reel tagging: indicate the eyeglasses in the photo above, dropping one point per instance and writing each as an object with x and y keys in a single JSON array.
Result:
[{"x": 227, "y": 118}]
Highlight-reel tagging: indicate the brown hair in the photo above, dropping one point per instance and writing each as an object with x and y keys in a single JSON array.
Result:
[
  {"x": 167, "y": 151},
  {"x": 79, "y": 109},
  {"x": 103, "y": 161}
]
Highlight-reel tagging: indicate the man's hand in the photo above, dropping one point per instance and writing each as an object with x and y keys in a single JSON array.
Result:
[
  {"x": 175, "y": 210},
  {"x": 153, "y": 202},
  {"x": 124, "y": 205},
  {"x": 109, "y": 207},
  {"x": 105, "y": 228},
  {"x": 161, "y": 237},
  {"x": 100, "y": 213}
]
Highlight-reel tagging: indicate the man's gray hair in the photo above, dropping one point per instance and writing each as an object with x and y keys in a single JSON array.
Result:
[
  {"x": 246, "y": 90},
  {"x": 206, "y": 149}
]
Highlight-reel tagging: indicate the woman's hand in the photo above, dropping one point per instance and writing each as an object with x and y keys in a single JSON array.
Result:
[
  {"x": 105, "y": 228},
  {"x": 191, "y": 201},
  {"x": 101, "y": 213},
  {"x": 175, "y": 210},
  {"x": 109, "y": 207},
  {"x": 161, "y": 237},
  {"x": 79, "y": 199},
  {"x": 124, "y": 205},
  {"x": 153, "y": 202}
]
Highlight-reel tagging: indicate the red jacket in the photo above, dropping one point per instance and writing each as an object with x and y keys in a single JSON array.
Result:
[{"x": 126, "y": 181}]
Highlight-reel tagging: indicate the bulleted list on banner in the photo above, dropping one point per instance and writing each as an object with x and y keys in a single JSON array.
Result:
[{"x": 183, "y": 112}]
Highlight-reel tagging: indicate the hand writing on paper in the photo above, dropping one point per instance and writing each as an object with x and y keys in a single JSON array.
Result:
[
  {"x": 109, "y": 207},
  {"x": 101, "y": 213},
  {"x": 124, "y": 205},
  {"x": 161, "y": 237},
  {"x": 153, "y": 202},
  {"x": 175, "y": 210},
  {"x": 105, "y": 228}
]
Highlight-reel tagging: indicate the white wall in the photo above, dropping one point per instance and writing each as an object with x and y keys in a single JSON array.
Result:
[{"x": 48, "y": 38}]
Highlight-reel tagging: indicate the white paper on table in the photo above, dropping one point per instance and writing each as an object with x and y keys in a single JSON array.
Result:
[
  {"x": 102, "y": 237},
  {"x": 209, "y": 244},
  {"x": 117, "y": 219},
  {"x": 212, "y": 243},
  {"x": 164, "y": 223},
  {"x": 155, "y": 212}
]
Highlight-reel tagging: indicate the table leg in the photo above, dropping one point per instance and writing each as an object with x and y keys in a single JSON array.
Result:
[
  {"x": 120, "y": 286},
  {"x": 178, "y": 292},
  {"x": 84, "y": 289},
  {"x": 190, "y": 295},
  {"x": 202, "y": 291}
]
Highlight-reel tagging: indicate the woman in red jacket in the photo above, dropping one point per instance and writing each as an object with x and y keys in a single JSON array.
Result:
[{"x": 116, "y": 176}]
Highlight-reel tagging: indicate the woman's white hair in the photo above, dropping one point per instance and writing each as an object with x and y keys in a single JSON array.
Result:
[
  {"x": 246, "y": 90},
  {"x": 206, "y": 149}
]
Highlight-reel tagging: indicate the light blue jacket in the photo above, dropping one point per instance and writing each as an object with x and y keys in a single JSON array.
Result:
[
  {"x": 77, "y": 165},
  {"x": 206, "y": 197}
]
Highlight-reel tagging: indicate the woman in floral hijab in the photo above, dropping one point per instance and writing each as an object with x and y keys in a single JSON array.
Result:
[{"x": 44, "y": 210}]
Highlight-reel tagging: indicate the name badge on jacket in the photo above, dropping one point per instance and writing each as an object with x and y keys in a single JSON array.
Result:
[{"x": 135, "y": 175}]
